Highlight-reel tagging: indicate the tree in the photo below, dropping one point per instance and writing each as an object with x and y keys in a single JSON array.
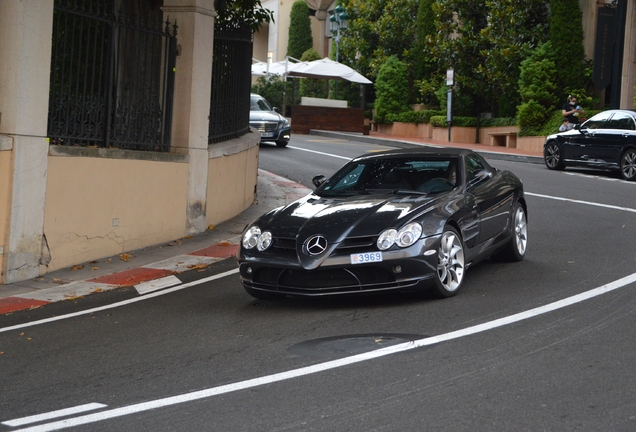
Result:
[
  {"x": 300, "y": 38},
  {"x": 515, "y": 28},
  {"x": 537, "y": 87},
  {"x": 391, "y": 89},
  {"x": 377, "y": 30},
  {"x": 566, "y": 35},
  {"x": 459, "y": 45},
  {"x": 242, "y": 12}
]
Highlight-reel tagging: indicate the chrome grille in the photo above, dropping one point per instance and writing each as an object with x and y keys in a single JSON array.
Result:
[{"x": 265, "y": 126}]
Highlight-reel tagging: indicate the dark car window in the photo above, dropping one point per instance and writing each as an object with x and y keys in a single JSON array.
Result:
[
  {"x": 621, "y": 121},
  {"x": 257, "y": 103},
  {"x": 405, "y": 174},
  {"x": 597, "y": 121},
  {"x": 473, "y": 166}
]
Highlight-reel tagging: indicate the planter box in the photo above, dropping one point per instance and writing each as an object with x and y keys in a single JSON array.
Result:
[
  {"x": 459, "y": 134},
  {"x": 531, "y": 143},
  {"x": 422, "y": 130}
]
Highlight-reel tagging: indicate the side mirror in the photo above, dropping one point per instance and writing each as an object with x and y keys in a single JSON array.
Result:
[
  {"x": 319, "y": 180},
  {"x": 480, "y": 176},
  {"x": 276, "y": 109},
  {"x": 577, "y": 126}
]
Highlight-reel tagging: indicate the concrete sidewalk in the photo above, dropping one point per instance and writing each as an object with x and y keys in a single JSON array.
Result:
[{"x": 156, "y": 267}]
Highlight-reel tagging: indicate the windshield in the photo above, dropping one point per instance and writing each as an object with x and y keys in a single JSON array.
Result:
[
  {"x": 423, "y": 175},
  {"x": 258, "y": 103}
]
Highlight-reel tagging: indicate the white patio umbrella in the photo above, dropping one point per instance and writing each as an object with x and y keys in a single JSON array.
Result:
[
  {"x": 282, "y": 67},
  {"x": 327, "y": 69}
]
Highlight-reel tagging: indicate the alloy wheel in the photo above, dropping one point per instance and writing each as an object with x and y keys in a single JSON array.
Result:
[{"x": 450, "y": 267}]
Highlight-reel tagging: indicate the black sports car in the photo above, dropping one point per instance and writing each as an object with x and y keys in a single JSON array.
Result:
[
  {"x": 606, "y": 141},
  {"x": 268, "y": 121},
  {"x": 396, "y": 220}
]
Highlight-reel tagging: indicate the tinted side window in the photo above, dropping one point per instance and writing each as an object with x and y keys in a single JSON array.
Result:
[
  {"x": 597, "y": 121},
  {"x": 621, "y": 121},
  {"x": 473, "y": 165}
]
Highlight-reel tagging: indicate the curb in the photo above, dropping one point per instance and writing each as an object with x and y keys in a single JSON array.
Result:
[{"x": 147, "y": 278}]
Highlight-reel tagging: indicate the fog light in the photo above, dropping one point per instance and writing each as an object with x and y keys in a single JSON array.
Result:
[
  {"x": 397, "y": 269},
  {"x": 249, "y": 270}
]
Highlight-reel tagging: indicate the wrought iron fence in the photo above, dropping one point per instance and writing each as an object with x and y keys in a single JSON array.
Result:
[
  {"x": 112, "y": 77},
  {"x": 231, "y": 83}
]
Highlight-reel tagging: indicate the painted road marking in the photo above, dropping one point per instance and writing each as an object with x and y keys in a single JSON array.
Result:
[
  {"x": 321, "y": 367},
  {"x": 53, "y": 414},
  {"x": 627, "y": 209},
  {"x": 157, "y": 284},
  {"x": 320, "y": 153}
]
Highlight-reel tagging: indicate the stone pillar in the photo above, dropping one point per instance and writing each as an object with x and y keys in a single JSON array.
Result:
[
  {"x": 25, "y": 56},
  {"x": 193, "y": 77}
]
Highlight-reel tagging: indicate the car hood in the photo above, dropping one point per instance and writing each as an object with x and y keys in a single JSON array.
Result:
[
  {"x": 337, "y": 218},
  {"x": 268, "y": 116}
]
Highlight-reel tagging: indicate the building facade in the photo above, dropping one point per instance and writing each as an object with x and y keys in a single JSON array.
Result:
[{"x": 62, "y": 205}]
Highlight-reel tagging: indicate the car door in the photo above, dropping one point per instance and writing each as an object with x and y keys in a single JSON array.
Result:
[
  {"x": 492, "y": 198},
  {"x": 606, "y": 148},
  {"x": 576, "y": 147}
]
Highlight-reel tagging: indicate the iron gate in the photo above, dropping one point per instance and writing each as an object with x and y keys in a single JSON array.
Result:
[
  {"x": 231, "y": 82},
  {"x": 112, "y": 77}
]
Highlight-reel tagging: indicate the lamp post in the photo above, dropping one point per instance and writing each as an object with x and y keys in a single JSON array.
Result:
[{"x": 339, "y": 21}]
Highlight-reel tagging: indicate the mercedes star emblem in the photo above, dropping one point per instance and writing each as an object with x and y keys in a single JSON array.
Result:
[{"x": 316, "y": 245}]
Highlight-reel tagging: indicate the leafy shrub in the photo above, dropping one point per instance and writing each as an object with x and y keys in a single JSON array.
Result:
[
  {"x": 498, "y": 122},
  {"x": 300, "y": 38},
  {"x": 537, "y": 89},
  {"x": 276, "y": 91},
  {"x": 391, "y": 90},
  {"x": 417, "y": 117},
  {"x": 440, "y": 121}
]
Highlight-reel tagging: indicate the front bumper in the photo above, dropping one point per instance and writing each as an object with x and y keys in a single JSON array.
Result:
[{"x": 400, "y": 270}]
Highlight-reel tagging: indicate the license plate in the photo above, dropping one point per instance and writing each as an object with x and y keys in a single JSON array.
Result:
[
  {"x": 267, "y": 134},
  {"x": 362, "y": 258}
]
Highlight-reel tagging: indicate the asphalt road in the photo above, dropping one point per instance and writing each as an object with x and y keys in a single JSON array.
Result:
[{"x": 545, "y": 344}]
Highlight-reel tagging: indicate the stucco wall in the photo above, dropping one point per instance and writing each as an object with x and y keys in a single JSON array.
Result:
[
  {"x": 99, "y": 205},
  {"x": 232, "y": 179}
]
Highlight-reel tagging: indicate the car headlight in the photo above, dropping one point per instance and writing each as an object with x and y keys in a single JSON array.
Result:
[
  {"x": 405, "y": 237},
  {"x": 254, "y": 238},
  {"x": 409, "y": 234},
  {"x": 250, "y": 238},
  {"x": 387, "y": 239},
  {"x": 264, "y": 241}
]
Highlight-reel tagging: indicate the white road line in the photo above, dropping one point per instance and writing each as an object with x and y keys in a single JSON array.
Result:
[
  {"x": 598, "y": 177},
  {"x": 121, "y": 303},
  {"x": 295, "y": 373},
  {"x": 320, "y": 153},
  {"x": 627, "y": 209},
  {"x": 53, "y": 414}
]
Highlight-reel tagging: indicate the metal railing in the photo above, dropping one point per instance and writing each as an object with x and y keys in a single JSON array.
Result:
[
  {"x": 112, "y": 77},
  {"x": 231, "y": 83}
]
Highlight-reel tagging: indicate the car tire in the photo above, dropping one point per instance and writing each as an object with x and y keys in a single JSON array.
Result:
[
  {"x": 628, "y": 164},
  {"x": 282, "y": 143},
  {"x": 263, "y": 295},
  {"x": 553, "y": 156},
  {"x": 515, "y": 249},
  {"x": 450, "y": 263}
]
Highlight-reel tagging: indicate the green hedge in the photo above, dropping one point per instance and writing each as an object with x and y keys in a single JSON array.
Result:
[{"x": 440, "y": 121}]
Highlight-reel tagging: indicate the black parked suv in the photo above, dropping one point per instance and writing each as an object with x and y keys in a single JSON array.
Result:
[{"x": 272, "y": 126}]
